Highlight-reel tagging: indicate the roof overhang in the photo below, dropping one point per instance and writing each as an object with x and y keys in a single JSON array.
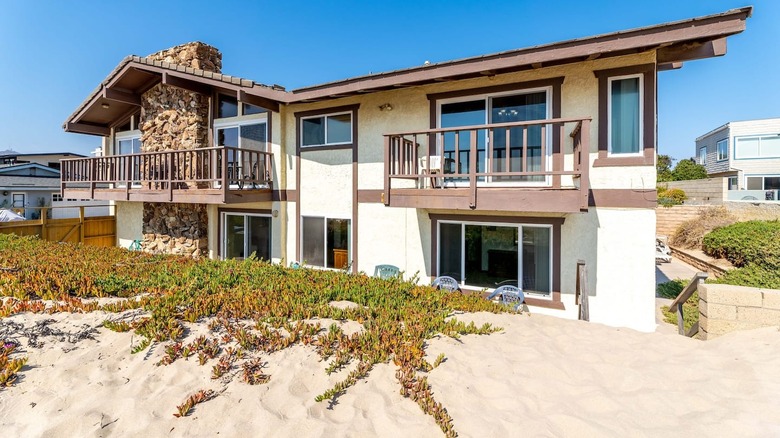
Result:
[
  {"x": 119, "y": 95},
  {"x": 675, "y": 42}
]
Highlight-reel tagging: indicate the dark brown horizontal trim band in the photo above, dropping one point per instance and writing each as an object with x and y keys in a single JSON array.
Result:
[
  {"x": 285, "y": 195},
  {"x": 621, "y": 71},
  {"x": 498, "y": 219},
  {"x": 370, "y": 196},
  {"x": 623, "y": 198},
  {"x": 328, "y": 110},
  {"x": 558, "y": 80},
  {"x": 555, "y": 303},
  {"x": 245, "y": 210},
  {"x": 334, "y": 147}
]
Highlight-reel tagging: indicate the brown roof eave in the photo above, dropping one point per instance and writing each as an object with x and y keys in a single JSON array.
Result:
[{"x": 697, "y": 29}]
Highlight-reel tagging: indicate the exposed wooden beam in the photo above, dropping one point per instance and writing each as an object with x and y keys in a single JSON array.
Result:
[
  {"x": 691, "y": 51},
  {"x": 536, "y": 65},
  {"x": 670, "y": 66},
  {"x": 252, "y": 99},
  {"x": 83, "y": 128},
  {"x": 121, "y": 96},
  {"x": 592, "y": 56},
  {"x": 185, "y": 84}
]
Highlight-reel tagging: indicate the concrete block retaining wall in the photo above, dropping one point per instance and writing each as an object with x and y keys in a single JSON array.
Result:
[
  {"x": 725, "y": 308},
  {"x": 708, "y": 191}
]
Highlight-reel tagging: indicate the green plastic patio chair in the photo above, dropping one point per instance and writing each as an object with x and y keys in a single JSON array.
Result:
[{"x": 386, "y": 271}]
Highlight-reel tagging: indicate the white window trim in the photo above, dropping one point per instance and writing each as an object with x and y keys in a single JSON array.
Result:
[
  {"x": 717, "y": 150},
  {"x": 755, "y": 157},
  {"x": 519, "y": 226},
  {"x": 229, "y": 122},
  {"x": 325, "y": 126},
  {"x": 126, "y": 135},
  {"x": 611, "y": 79},
  {"x": 488, "y": 110},
  {"x": 24, "y": 199},
  {"x": 759, "y": 175},
  {"x": 325, "y": 246},
  {"x": 703, "y": 157},
  {"x": 223, "y": 232}
]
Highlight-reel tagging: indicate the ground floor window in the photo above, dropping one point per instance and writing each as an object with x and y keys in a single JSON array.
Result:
[
  {"x": 764, "y": 182},
  {"x": 325, "y": 242},
  {"x": 491, "y": 255},
  {"x": 733, "y": 183},
  {"x": 246, "y": 234}
]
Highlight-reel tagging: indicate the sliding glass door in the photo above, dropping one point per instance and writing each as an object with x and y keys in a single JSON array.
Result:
[
  {"x": 507, "y": 151},
  {"x": 490, "y": 255},
  {"x": 246, "y": 234}
]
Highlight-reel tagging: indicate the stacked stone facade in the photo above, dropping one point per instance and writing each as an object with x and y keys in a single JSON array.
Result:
[{"x": 176, "y": 119}]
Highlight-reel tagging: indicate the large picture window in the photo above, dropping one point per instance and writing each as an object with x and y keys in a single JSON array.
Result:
[
  {"x": 246, "y": 234},
  {"x": 325, "y": 242},
  {"x": 326, "y": 130},
  {"x": 485, "y": 255},
  {"x": 625, "y": 115},
  {"x": 723, "y": 149},
  {"x": 760, "y": 146},
  {"x": 243, "y": 133}
]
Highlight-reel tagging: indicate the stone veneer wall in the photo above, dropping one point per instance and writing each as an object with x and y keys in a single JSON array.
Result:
[
  {"x": 725, "y": 308},
  {"x": 177, "y": 119}
]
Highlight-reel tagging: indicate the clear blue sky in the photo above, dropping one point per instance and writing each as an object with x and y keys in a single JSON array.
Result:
[{"x": 54, "y": 53}]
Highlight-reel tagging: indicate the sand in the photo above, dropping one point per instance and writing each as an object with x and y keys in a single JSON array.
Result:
[{"x": 541, "y": 376}]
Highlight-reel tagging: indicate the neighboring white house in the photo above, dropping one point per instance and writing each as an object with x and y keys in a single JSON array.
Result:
[
  {"x": 497, "y": 169},
  {"x": 747, "y": 154}
]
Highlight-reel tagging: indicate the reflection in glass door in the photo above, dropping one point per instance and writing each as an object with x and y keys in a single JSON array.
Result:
[
  {"x": 244, "y": 235},
  {"x": 128, "y": 169}
]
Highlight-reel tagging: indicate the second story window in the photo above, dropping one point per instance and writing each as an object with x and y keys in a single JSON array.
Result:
[
  {"x": 326, "y": 130},
  {"x": 723, "y": 149},
  {"x": 625, "y": 115},
  {"x": 703, "y": 155},
  {"x": 127, "y": 139},
  {"x": 761, "y": 146}
]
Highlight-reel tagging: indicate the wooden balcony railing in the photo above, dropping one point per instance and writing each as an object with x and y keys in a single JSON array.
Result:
[
  {"x": 217, "y": 169},
  {"x": 535, "y": 155}
]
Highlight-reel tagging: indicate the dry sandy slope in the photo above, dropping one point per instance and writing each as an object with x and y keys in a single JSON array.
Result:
[{"x": 542, "y": 376}]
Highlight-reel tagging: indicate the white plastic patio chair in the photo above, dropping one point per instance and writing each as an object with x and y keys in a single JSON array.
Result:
[
  {"x": 509, "y": 295},
  {"x": 447, "y": 283}
]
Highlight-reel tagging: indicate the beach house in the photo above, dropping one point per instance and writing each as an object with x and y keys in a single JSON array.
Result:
[{"x": 507, "y": 168}]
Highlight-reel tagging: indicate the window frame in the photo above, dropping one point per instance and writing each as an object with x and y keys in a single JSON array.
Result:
[
  {"x": 703, "y": 155},
  {"x": 641, "y": 133},
  {"x": 648, "y": 107},
  {"x": 325, "y": 219},
  {"x": 128, "y": 135},
  {"x": 245, "y": 213},
  {"x": 238, "y": 122},
  {"x": 324, "y": 118},
  {"x": 756, "y": 157},
  {"x": 763, "y": 177},
  {"x": 519, "y": 226},
  {"x": 718, "y": 156},
  {"x": 53, "y": 195}
]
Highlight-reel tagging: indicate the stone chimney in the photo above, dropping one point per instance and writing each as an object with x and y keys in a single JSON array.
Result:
[{"x": 176, "y": 119}]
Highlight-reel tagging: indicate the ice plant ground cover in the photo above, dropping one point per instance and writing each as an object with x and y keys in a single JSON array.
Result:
[{"x": 251, "y": 308}]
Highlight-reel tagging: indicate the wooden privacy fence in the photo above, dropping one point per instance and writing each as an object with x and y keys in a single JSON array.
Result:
[{"x": 92, "y": 231}]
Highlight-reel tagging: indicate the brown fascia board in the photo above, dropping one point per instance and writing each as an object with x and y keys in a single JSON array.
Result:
[{"x": 701, "y": 29}]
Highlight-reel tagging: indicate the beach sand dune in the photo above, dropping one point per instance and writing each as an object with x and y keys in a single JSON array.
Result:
[{"x": 541, "y": 376}]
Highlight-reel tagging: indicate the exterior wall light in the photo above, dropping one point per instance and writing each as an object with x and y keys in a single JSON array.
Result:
[
  {"x": 385, "y": 107},
  {"x": 105, "y": 105}
]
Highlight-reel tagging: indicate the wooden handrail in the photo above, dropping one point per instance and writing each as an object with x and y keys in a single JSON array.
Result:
[
  {"x": 581, "y": 291},
  {"x": 677, "y": 304},
  {"x": 490, "y": 126}
]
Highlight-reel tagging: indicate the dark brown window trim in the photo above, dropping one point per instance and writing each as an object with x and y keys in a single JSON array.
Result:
[
  {"x": 236, "y": 210},
  {"x": 556, "y": 223},
  {"x": 323, "y": 112},
  {"x": 354, "y": 146},
  {"x": 648, "y": 123}
]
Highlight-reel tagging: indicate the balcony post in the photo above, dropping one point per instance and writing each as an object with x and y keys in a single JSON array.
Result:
[
  {"x": 584, "y": 164},
  {"x": 557, "y": 155},
  {"x": 225, "y": 181},
  {"x": 386, "y": 197},
  {"x": 472, "y": 169},
  {"x": 92, "y": 179},
  {"x": 169, "y": 173}
]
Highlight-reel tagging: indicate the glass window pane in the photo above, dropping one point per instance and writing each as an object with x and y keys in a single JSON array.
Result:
[
  {"x": 259, "y": 238},
  {"x": 338, "y": 243},
  {"x": 249, "y": 109},
  {"x": 227, "y": 106},
  {"x": 755, "y": 183},
  {"x": 253, "y": 137},
  {"x": 313, "y": 131},
  {"x": 536, "y": 260},
  {"x": 625, "y": 116},
  {"x": 227, "y": 137},
  {"x": 136, "y": 145},
  {"x": 463, "y": 114},
  {"x": 125, "y": 147},
  {"x": 339, "y": 128},
  {"x": 234, "y": 236},
  {"x": 491, "y": 255},
  {"x": 746, "y": 148},
  {"x": 313, "y": 241},
  {"x": 450, "y": 240},
  {"x": 770, "y": 146},
  {"x": 518, "y": 108},
  {"x": 703, "y": 156},
  {"x": 723, "y": 149},
  {"x": 771, "y": 183}
]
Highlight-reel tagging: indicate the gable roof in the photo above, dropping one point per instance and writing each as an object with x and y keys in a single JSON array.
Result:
[
  {"x": 119, "y": 94},
  {"x": 14, "y": 169}
]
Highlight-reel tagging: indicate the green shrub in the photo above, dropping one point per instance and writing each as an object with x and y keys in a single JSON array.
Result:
[
  {"x": 752, "y": 275},
  {"x": 671, "y": 289},
  {"x": 744, "y": 243},
  {"x": 668, "y": 197}
]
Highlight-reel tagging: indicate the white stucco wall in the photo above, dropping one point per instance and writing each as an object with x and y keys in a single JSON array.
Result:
[{"x": 129, "y": 222}]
